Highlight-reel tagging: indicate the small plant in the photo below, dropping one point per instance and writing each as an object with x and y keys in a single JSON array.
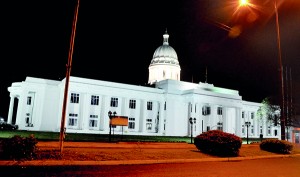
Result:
[
  {"x": 18, "y": 148},
  {"x": 276, "y": 146},
  {"x": 218, "y": 143}
]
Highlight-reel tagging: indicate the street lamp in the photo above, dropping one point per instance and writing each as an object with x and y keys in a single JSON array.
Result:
[
  {"x": 192, "y": 121},
  {"x": 110, "y": 115},
  {"x": 247, "y": 124},
  {"x": 281, "y": 92},
  {"x": 282, "y": 117}
]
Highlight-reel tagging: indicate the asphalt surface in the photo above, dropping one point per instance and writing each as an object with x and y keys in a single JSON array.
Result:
[{"x": 128, "y": 162}]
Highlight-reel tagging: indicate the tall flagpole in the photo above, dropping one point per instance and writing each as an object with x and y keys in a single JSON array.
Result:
[{"x": 68, "y": 73}]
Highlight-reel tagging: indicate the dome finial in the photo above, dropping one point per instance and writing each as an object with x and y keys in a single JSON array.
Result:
[
  {"x": 166, "y": 31},
  {"x": 166, "y": 37}
]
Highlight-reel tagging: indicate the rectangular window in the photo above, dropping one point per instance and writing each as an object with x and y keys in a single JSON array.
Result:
[
  {"x": 29, "y": 100},
  {"x": 260, "y": 130},
  {"x": 94, "y": 100},
  {"x": 243, "y": 129},
  {"x": 220, "y": 111},
  {"x": 252, "y": 115},
  {"x": 73, "y": 119},
  {"x": 149, "y": 105},
  {"x": 220, "y": 126},
  {"x": 132, "y": 104},
  {"x": 165, "y": 106},
  {"x": 243, "y": 115},
  {"x": 114, "y": 102},
  {"x": 269, "y": 130},
  {"x": 205, "y": 110},
  {"x": 131, "y": 123},
  {"x": 149, "y": 124},
  {"x": 93, "y": 121},
  {"x": 252, "y": 129},
  {"x": 74, "y": 98}
]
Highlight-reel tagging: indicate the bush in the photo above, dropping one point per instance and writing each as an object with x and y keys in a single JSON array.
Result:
[
  {"x": 216, "y": 142},
  {"x": 277, "y": 146},
  {"x": 18, "y": 148}
]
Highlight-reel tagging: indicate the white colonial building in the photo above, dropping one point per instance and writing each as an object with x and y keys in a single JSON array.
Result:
[{"x": 162, "y": 109}]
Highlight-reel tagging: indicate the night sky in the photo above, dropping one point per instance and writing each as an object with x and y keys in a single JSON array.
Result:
[{"x": 115, "y": 41}]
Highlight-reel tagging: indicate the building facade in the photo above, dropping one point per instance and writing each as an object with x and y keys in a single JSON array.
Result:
[{"x": 164, "y": 109}]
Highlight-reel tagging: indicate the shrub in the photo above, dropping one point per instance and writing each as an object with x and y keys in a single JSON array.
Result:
[
  {"x": 18, "y": 148},
  {"x": 218, "y": 143},
  {"x": 277, "y": 146}
]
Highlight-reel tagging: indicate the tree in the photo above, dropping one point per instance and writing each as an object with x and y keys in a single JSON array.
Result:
[{"x": 269, "y": 111}]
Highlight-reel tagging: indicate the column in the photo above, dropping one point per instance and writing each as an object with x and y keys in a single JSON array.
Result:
[
  {"x": 11, "y": 108},
  {"x": 238, "y": 130}
]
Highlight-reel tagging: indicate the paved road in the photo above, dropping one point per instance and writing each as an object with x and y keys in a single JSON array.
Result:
[{"x": 273, "y": 167}]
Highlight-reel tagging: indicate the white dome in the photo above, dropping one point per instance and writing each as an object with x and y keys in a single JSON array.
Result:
[
  {"x": 164, "y": 64},
  {"x": 165, "y": 54}
]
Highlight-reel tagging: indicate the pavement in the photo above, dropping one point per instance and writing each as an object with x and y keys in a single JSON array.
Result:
[{"x": 128, "y": 162}]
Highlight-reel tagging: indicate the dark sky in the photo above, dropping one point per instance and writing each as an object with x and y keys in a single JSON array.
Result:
[{"x": 115, "y": 41}]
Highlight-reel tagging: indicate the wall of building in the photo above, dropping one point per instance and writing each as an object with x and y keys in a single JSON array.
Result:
[{"x": 172, "y": 104}]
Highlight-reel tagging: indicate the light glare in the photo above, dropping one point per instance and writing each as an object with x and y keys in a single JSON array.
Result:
[{"x": 244, "y": 2}]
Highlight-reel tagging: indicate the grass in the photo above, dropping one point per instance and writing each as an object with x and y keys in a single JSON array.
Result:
[{"x": 54, "y": 136}]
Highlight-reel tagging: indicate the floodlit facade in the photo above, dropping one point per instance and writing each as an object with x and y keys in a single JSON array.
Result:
[{"x": 164, "y": 109}]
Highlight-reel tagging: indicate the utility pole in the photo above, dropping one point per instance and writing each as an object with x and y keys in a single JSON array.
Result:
[
  {"x": 281, "y": 95},
  {"x": 68, "y": 73}
]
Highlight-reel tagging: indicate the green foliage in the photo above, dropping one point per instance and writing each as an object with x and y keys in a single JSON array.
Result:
[
  {"x": 270, "y": 111},
  {"x": 18, "y": 148},
  {"x": 218, "y": 143},
  {"x": 277, "y": 146}
]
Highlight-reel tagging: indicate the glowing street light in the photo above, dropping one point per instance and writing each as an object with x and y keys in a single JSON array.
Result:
[{"x": 243, "y": 2}]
